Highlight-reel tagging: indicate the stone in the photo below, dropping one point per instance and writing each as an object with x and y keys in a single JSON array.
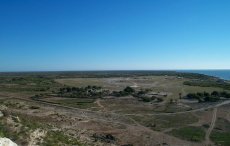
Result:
[{"x": 7, "y": 142}]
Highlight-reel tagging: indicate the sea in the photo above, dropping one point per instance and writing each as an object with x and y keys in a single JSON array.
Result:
[{"x": 223, "y": 74}]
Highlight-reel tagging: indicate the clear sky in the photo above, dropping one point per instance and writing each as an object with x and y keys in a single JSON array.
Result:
[{"x": 43, "y": 35}]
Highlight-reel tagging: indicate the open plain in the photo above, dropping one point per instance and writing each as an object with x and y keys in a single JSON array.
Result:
[{"x": 114, "y": 109}]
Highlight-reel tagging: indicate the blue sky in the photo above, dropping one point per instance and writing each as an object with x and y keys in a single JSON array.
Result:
[{"x": 45, "y": 35}]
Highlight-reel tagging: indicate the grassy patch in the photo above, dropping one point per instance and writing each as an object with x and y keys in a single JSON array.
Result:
[
  {"x": 221, "y": 133},
  {"x": 160, "y": 123},
  {"x": 30, "y": 123},
  {"x": 28, "y": 83},
  {"x": 4, "y": 131},
  {"x": 196, "y": 134},
  {"x": 221, "y": 138},
  {"x": 53, "y": 138},
  {"x": 82, "y": 103},
  {"x": 222, "y": 125},
  {"x": 57, "y": 138}
]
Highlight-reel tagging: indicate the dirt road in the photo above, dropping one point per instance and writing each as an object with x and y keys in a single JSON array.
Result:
[
  {"x": 212, "y": 125},
  {"x": 98, "y": 102}
]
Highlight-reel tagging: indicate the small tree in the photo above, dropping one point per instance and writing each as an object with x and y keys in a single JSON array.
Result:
[
  {"x": 171, "y": 101},
  {"x": 129, "y": 90},
  {"x": 206, "y": 94},
  {"x": 215, "y": 93}
]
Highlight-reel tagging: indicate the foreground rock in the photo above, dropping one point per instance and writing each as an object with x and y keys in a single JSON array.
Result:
[
  {"x": 1, "y": 114},
  {"x": 7, "y": 142}
]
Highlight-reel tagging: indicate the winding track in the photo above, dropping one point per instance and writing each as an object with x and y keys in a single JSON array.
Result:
[
  {"x": 101, "y": 112},
  {"x": 98, "y": 102},
  {"x": 213, "y": 122}
]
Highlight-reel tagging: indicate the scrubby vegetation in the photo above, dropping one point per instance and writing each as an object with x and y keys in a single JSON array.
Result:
[
  {"x": 209, "y": 83},
  {"x": 221, "y": 133},
  {"x": 207, "y": 97},
  {"x": 127, "y": 91},
  {"x": 19, "y": 129},
  {"x": 27, "y": 83},
  {"x": 142, "y": 95},
  {"x": 108, "y": 138},
  {"x": 23, "y": 126},
  {"x": 145, "y": 96},
  {"x": 5, "y": 131},
  {"x": 83, "y": 92},
  {"x": 57, "y": 138},
  {"x": 161, "y": 122}
]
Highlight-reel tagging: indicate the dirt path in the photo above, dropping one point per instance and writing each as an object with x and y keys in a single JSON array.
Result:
[
  {"x": 183, "y": 91},
  {"x": 98, "y": 102},
  {"x": 134, "y": 84},
  {"x": 184, "y": 112},
  {"x": 228, "y": 116},
  {"x": 212, "y": 125}
]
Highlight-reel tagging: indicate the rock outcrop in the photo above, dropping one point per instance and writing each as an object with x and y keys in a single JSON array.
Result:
[{"x": 7, "y": 142}]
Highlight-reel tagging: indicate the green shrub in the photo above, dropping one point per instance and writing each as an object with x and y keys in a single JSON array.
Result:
[
  {"x": 129, "y": 90},
  {"x": 221, "y": 138},
  {"x": 196, "y": 134}
]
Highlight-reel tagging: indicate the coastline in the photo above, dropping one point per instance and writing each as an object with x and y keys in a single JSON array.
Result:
[{"x": 222, "y": 74}]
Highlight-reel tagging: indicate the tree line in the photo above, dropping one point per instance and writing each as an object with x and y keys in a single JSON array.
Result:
[{"x": 206, "y": 97}]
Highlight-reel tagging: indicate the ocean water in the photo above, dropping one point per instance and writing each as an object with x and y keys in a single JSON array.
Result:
[{"x": 223, "y": 74}]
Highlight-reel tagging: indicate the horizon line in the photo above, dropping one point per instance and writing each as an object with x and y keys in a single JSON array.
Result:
[{"x": 110, "y": 70}]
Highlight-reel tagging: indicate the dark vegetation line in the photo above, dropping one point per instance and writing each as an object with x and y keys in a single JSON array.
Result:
[
  {"x": 94, "y": 92},
  {"x": 83, "y": 92},
  {"x": 206, "y": 97},
  {"x": 105, "y": 74},
  {"x": 46, "y": 78}
]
